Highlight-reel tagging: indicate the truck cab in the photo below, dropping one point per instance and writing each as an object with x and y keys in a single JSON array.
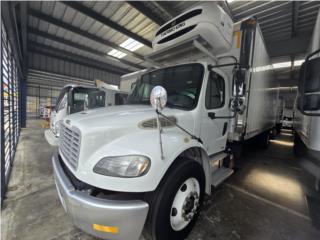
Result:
[
  {"x": 149, "y": 163},
  {"x": 78, "y": 98}
]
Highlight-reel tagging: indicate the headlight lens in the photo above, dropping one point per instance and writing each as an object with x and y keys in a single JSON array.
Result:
[
  {"x": 57, "y": 128},
  {"x": 123, "y": 166}
]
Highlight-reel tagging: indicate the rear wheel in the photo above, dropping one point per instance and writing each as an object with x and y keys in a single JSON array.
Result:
[
  {"x": 175, "y": 204},
  {"x": 264, "y": 139}
]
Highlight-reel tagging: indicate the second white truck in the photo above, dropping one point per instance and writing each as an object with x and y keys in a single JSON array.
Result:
[
  {"x": 137, "y": 165},
  {"x": 75, "y": 98}
]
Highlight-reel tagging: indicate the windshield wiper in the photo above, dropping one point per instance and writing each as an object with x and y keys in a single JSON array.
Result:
[{"x": 171, "y": 105}]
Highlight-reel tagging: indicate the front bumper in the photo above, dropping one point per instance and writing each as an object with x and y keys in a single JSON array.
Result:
[
  {"x": 123, "y": 219},
  {"x": 51, "y": 138}
]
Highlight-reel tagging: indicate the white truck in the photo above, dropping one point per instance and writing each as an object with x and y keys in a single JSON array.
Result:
[
  {"x": 75, "y": 98},
  {"x": 127, "y": 81},
  {"x": 287, "y": 118},
  {"x": 307, "y": 112},
  {"x": 132, "y": 166}
]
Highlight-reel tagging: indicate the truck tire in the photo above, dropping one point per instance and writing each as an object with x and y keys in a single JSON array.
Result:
[
  {"x": 264, "y": 139},
  {"x": 317, "y": 185},
  {"x": 175, "y": 205},
  {"x": 237, "y": 150}
]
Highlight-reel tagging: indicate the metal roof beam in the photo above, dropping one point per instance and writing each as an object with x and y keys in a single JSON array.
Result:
[
  {"x": 39, "y": 73},
  {"x": 260, "y": 8},
  {"x": 141, "y": 7},
  {"x": 81, "y": 32},
  {"x": 80, "y": 47},
  {"x": 295, "y": 14},
  {"x": 75, "y": 58},
  {"x": 102, "y": 19},
  {"x": 165, "y": 8}
]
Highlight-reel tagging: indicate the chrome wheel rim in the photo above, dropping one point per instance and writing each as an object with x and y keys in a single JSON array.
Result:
[{"x": 185, "y": 204}]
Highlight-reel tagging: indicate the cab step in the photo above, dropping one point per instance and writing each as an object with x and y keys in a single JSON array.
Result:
[
  {"x": 217, "y": 157},
  {"x": 220, "y": 175}
]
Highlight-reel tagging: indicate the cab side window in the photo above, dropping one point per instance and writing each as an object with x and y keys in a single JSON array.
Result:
[{"x": 215, "y": 93}]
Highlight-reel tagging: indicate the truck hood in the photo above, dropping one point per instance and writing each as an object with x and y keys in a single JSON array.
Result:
[
  {"x": 104, "y": 126},
  {"x": 118, "y": 116}
]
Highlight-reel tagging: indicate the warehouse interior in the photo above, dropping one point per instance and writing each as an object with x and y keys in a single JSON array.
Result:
[{"x": 46, "y": 45}]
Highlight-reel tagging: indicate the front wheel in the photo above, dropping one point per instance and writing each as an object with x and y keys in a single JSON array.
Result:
[{"x": 175, "y": 204}]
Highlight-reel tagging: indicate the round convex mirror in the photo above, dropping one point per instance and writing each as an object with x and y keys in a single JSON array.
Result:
[{"x": 158, "y": 98}]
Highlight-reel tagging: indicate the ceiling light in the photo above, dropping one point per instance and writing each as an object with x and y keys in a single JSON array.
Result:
[
  {"x": 230, "y": 1},
  {"x": 298, "y": 62},
  {"x": 281, "y": 65}
]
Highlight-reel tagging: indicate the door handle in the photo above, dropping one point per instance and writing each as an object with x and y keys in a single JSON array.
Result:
[
  {"x": 225, "y": 126},
  {"x": 212, "y": 115}
]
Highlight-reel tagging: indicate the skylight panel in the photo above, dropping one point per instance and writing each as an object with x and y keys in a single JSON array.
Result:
[
  {"x": 130, "y": 44},
  {"x": 116, "y": 53}
]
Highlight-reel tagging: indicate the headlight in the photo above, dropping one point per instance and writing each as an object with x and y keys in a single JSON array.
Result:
[
  {"x": 57, "y": 128},
  {"x": 123, "y": 166}
]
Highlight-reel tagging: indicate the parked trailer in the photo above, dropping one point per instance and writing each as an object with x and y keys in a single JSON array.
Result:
[
  {"x": 307, "y": 112},
  {"x": 77, "y": 98},
  {"x": 137, "y": 165}
]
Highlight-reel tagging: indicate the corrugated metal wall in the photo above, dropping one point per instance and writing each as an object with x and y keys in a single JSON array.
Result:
[
  {"x": 58, "y": 66},
  {"x": 47, "y": 75}
]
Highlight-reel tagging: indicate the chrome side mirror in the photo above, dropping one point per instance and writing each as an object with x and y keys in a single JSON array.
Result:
[{"x": 158, "y": 98}]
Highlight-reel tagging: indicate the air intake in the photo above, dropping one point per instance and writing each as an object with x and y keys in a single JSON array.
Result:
[{"x": 152, "y": 123}]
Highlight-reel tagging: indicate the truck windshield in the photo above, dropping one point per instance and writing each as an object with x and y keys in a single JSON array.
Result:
[
  {"x": 63, "y": 92},
  {"x": 86, "y": 98},
  {"x": 95, "y": 99},
  {"x": 183, "y": 85}
]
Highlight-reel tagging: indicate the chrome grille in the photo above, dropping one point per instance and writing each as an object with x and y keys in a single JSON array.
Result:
[{"x": 70, "y": 140}]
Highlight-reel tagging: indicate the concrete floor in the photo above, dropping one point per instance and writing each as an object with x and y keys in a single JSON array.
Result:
[{"x": 264, "y": 199}]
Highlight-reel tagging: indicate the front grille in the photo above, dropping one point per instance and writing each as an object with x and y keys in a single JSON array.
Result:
[{"x": 70, "y": 140}]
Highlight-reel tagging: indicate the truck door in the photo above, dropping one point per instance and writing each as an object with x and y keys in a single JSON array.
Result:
[{"x": 214, "y": 127}]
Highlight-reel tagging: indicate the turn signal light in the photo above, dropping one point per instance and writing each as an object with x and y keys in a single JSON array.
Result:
[{"x": 107, "y": 229}]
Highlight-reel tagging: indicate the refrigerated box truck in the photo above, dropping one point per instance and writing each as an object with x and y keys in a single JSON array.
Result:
[
  {"x": 138, "y": 165},
  {"x": 307, "y": 112}
]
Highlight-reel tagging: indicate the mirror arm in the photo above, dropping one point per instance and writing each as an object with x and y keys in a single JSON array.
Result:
[
  {"x": 160, "y": 131},
  {"x": 177, "y": 125}
]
